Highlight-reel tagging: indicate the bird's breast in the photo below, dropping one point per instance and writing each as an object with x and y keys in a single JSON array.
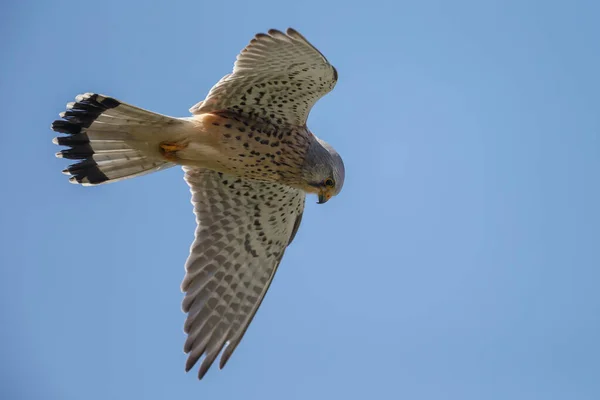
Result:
[{"x": 249, "y": 149}]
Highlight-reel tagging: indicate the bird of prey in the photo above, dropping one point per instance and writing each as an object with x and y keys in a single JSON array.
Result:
[{"x": 249, "y": 160}]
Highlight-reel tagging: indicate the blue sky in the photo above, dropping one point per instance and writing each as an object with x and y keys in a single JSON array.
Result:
[{"x": 461, "y": 260}]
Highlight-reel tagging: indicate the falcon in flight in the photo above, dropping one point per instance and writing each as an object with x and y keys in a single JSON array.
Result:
[{"x": 249, "y": 160}]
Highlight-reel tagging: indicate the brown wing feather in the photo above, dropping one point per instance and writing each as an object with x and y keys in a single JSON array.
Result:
[
  {"x": 240, "y": 240},
  {"x": 278, "y": 77}
]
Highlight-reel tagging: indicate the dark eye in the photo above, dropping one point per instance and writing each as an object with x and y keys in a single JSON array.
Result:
[{"x": 329, "y": 182}]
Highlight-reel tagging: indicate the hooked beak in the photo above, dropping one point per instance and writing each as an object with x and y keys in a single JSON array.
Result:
[{"x": 323, "y": 198}]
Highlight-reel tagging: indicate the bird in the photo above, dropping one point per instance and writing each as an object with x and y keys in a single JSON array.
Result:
[{"x": 249, "y": 160}]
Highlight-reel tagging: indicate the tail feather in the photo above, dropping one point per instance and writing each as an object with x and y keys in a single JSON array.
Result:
[
  {"x": 99, "y": 145},
  {"x": 111, "y": 140},
  {"x": 116, "y": 156}
]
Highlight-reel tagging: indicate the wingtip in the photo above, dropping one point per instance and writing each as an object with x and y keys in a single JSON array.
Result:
[
  {"x": 227, "y": 352},
  {"x": 202, "y": 371},
  {"x": 189, "y": 343},
  {"x": 275, "y": 33},
  {"x": 223, "y": 361},
  {"x": 291, "y": 32},
  {"x": 188, "y": 366}
]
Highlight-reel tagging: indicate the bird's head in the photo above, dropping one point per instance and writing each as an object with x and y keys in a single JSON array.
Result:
[{"x": 323, "y": 170}]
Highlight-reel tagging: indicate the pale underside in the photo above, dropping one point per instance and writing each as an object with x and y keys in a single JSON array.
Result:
[
  {"x": 244, "y": 225},
  {"x": 277, "y": 77}
]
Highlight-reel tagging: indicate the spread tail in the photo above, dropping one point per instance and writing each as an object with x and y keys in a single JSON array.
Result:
[{"x": 112, "y": 140}]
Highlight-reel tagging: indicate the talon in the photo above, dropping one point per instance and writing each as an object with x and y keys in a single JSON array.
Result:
[{"x": 169, "y": 149}]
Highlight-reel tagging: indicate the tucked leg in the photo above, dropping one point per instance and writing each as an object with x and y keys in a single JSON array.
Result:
[{"x": 169, "y": 149}]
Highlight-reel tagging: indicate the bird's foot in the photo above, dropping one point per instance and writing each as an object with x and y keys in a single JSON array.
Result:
[{"x": 169, "y": 149}]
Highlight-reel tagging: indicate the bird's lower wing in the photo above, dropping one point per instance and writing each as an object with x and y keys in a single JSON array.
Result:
[{"x": 243, "y": 230}]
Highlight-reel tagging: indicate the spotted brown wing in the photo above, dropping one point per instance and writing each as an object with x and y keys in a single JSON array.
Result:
[
  {"x": 243, "y": 230},
  {"x": 278, "y": 77}
]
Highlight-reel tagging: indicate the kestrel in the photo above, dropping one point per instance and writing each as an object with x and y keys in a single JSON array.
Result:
[{"x": 249, "y": 160}]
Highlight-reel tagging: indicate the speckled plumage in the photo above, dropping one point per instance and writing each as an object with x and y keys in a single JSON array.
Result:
[
  {"x": 249, "y": 160},
  {"x": 250, "y": 149},
  {"x": 244, "y": 227}
]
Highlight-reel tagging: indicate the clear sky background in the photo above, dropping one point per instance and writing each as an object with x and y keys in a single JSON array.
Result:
[{"x": 461, "y": 260}]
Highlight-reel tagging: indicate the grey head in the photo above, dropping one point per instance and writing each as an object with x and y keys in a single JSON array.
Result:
[{"x": 323, "y": 170}]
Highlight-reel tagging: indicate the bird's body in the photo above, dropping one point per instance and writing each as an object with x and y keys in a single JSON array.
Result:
[
  {"x": 249, "y": 160},
  {"x": 242, "y": 146}
]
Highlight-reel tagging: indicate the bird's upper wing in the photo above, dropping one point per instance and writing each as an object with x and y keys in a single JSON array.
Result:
[
  {"x": 243, "y": 230},
  {"x": 278, "y": 77}
]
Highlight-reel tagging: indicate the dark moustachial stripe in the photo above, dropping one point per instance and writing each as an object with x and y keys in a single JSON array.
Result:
[{"x": 74, "y": 121}]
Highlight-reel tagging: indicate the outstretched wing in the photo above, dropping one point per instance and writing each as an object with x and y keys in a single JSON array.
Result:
[
  {"x": 278, "y": 77},
  {"x": 243, "y": 230}
]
